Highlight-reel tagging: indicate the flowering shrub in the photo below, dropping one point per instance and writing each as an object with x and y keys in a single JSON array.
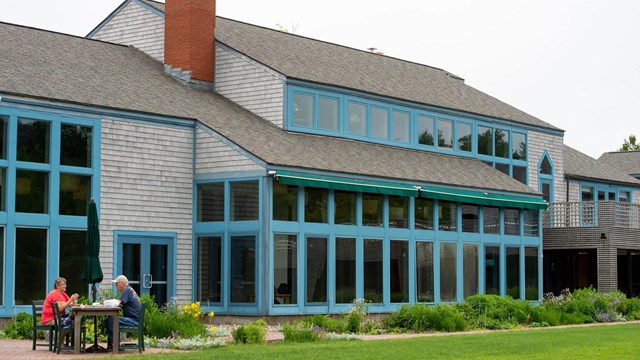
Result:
[
  {"x": 193, "y": 310},
  {"x": 301, "y": 331},
  {"x": 251, "y": 333},
  {"x": 356, "y": 314}
]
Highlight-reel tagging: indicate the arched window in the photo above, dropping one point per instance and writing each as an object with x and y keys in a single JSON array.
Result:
[{"x": 545, "y": 177}]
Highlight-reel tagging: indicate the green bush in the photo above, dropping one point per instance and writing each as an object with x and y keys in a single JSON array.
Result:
[
  {"x": 251, "y": 333},
  {"x": 495, "y": 312},
  {"x": 327, "y": 323},
  {"x": 631, "y": 308},
  {"x": 555, "y": 317},
  {"x": 301, "y": 331},
  {"x": 169, "y": 321},
  {"x": 20, "y": 327},
  {"x": 421, "y": 317}
]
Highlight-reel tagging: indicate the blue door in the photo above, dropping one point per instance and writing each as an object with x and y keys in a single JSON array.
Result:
[{"x": 146, "y": 260}]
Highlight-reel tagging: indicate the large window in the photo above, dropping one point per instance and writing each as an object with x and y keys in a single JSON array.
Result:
[
  {"x": 485, "y": 140},
  {"x": 245, "y": 203},
  {"x": 243, "y": 269},
  {"x": 72, "y": 258},
  {"x": 285, "y": 202},
  {"x": 75, "y": 145},
  {"x": 530, "y": 222},
  {"x": 492, "y": 269},
  {"x": 398, "y": 212},
  {"x": 373, "y": 270},
  {"x": 448, "y": 273},
  {"x": 470, "y": 218},
  {"x": 209, "y": 273},
  {"x": 424, "y": 214},
  {"x": 328, "y": 114},
  {"x": 519, "y": 146},
  {"x": 345, "y": 207},
  {"x": 31, "y": 269},
  {"x": 285, "y": 269},
  {"x": 32, "y": 192},
  {"x": 425, "y": 130},
  {"x": 372, "y": 205},
  {"x": 399, "y": 264},
  {"x": 4, "y": 120},
  {"x": 379, "y": 123},
  {"x": 447, "y": 216},
  {"x": 33, "y": 140},
  {"x": 463, "y": 137},
  {"x": 445, "y": 134},
  {"x": 513, "y": 272},
  {"x": 3, "y": 189},
  {"x": 470, "y": 269},
  {"x": 315, "y": 205},
  {"x": 210, "y": 202},
  {"x": 424, "y": 271},
  {"x": 401, "y": 126},
  {"x": 491, "y": 220},
  {"x": 303, "y": 109},
  {"x": 511, "y": 221},
  {"x": 316, "y": 270},
  {"x": 75, "y": 192},
  {"x": 531, "y": 273},
  {"x": 357, "y": 119},
  {"x": 502, "y": 143},
  {"x": 345, "y": 270}
]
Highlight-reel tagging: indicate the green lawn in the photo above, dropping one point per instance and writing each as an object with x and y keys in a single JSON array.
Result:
[{"x": 594, "y": 342}]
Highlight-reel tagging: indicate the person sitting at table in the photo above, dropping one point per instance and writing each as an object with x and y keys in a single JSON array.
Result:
[
  {"x": 130, "y": 303},
  {"x": 59, "y": 296}
]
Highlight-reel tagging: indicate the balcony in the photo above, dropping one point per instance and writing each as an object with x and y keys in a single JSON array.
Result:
[{"x": 592, "y": 214}]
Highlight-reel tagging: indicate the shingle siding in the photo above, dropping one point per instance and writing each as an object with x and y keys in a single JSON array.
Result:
[
  {"x": 146, "y": 185},
  {"x": 138, "y": 27},
  {"x": 249, "y": 84},
  {"x": 214, "y": 156},
  {"x": 552, "y": 144}
]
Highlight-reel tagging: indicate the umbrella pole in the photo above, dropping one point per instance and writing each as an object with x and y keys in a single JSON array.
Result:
[{"x": 95, "y": 347}]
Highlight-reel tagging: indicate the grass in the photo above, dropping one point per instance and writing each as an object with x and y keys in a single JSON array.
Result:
[{"x": 591, "y": 342}]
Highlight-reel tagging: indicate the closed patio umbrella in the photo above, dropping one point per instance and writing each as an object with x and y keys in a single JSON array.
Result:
[{"x": 92, "y": 272}]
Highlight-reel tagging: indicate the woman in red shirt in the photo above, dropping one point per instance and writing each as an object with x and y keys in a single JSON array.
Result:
[{"x": 57, "y": 295}]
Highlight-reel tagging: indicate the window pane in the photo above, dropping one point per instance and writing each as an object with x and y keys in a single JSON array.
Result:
[
  {"x": 624, "y": 196},
  {"x": 285, "y": 269},
  {"x": 345, "y": 207},
  {"x": 3, "y": 142},
  {"x": 315, "y": 205},
  {"x": 424, "y": 214},
  {"x": 357, "y": 119},
  {"x": 1, "y": 266},
  {"x": 485, "y": 141},
  {"x": 379, "y": 123},
  {"x": 400, "y": 126},
  {"x": 502, "y": 143},
  {"x": 3, "y": 189},
  {"x": 399, "y": 212},
  {"x": 328, "y": 114},
  {"x": 209, "y": 276},
  {"x": 211, "y": 202},
  {"x": 425, "y": 130},
  {"x": 447, "y": 216},
  {"x": 316, "y": 270},
  {"x": 424, "y": 271},
  {"x": 491, "y": 220},
  {"x": 545, "y": 166},
  {"x": 531, "y": 273},
  {"x": 463, "y": 138},
  {"x": 243, "y": 269},
  {"x": 244, "y": 200},
  {"x": 33, "y": 140},
  {"x": 445, "y": 134},
  {"x": 470, "y": 272},
  {"x": 75, "y": 145},
  {"x": 503, "y": 168},
  {"x": 492, "y": 269},
  {"x": 302, "y": 110},
  {"x": 511, "y": 221},
  {"x": 373, "y": 270},
  {"x": 399, "y": 263},
  {"x": 32, "y": 192},
  {"x": 31, "y": 270},
  {"x": 448, "y": 283},
  {"x": 345, "y": 270},
  {"x": 72, "y": 258},
  {"x": 530, "y": 222},
  {"x": 470, "y": 218},
  {"x": 75, "y": 192},
  {"x": 372, "y": 210},
  {"x": 285, "y": 202},
  {"x": 513, "y": 272},
  {"x": 520, "y": 173},
  {"x": 519, "y": 146}
]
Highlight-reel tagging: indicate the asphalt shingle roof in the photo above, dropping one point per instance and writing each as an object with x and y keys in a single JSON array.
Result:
[
  {"x": 626, "y": 161},
  {"x": 52, "y": 66},
  {"x": 579, "y": 165}
]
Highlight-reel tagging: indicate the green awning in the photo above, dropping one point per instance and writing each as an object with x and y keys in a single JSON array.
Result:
[
  {"x": 329, "y": 182},
  {"x": 480, "y": 198},
  {"x": 379, "y": 187}
]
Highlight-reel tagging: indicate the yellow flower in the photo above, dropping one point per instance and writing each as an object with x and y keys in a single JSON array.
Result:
[{"x": 211, "y": 314}]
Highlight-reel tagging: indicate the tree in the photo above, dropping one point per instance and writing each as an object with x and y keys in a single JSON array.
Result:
[{"x": 630, "y": 144}]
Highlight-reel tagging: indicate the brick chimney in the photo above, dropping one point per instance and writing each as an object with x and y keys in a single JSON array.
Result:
[{"x": 188, "y": 37}]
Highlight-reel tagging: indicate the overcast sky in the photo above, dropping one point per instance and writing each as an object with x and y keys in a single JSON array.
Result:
[{"x": 574, "y": 64}]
